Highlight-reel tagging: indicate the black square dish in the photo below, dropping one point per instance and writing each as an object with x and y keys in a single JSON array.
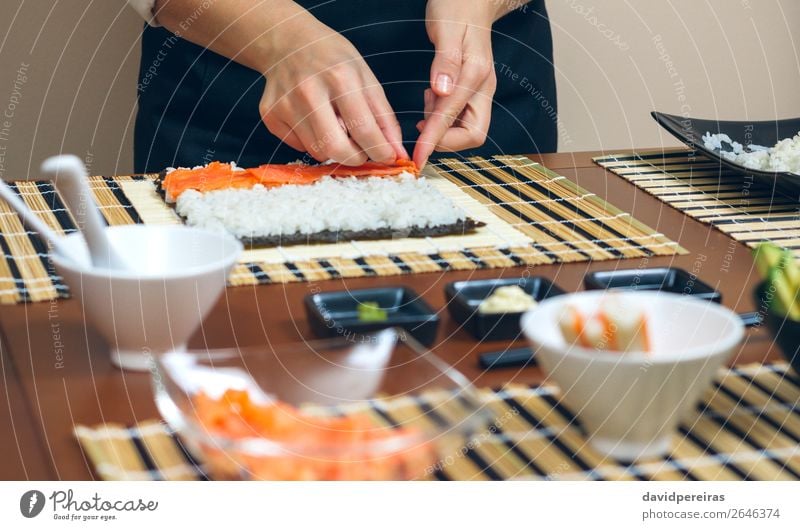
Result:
[
  {"x": 671, "y": 280},
  {"x": 463, "y": 299},
  {"x": 335, "y": 314}
]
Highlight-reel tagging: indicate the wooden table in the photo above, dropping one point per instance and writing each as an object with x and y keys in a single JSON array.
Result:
[{"x": 47, "y": 391}]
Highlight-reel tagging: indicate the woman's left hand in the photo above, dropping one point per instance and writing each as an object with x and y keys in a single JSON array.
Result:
[{"x": 458, "y": 106}]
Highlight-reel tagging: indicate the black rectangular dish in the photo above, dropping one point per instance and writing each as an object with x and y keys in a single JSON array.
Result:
[
  {"x": 463, "y": 299},
  {"x": 336, "y": 313},
  {"x": 671, "y": 280}
]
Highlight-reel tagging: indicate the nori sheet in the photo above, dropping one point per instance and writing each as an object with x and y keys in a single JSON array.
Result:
[{"x": 464, "y": 226}]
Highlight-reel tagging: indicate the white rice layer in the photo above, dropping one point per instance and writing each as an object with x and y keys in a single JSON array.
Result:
[
  {"x": 783, "y": 157},
  {"x": 334, "y": 204}
]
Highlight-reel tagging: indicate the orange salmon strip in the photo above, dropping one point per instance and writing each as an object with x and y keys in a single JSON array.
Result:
[
  {"x": 217, "y": 175},
  {"x": 214, "y": 176}
]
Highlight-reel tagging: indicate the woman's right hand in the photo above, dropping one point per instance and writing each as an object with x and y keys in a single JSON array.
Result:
[{"x": 322, "y": 97}]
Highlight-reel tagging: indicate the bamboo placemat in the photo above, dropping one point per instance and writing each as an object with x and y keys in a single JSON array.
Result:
[
  {"x": 533, "y": 216},
  {"x": 735, "y": 204},
  {"x": 746, "y": 428}
]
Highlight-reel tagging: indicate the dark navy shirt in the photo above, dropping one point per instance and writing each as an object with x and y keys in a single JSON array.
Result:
[{"x": 196, "y": 106}]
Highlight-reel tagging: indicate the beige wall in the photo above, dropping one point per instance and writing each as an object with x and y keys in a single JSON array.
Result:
[
  {"x": 78, "y": 61},
  {"x": 79, "y": 95},
  {"x": 708, "y": 58}
]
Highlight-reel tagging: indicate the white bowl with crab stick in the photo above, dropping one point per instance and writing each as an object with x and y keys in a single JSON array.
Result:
[{"x": 630, "y": 404}]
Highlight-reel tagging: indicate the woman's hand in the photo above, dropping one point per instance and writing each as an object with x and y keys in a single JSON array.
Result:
[
  {"x": 458, "y": 106},
  {"x": 323, "y": 98}
]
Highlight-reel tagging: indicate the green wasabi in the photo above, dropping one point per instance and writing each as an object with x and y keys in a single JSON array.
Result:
[{"x": 371, "y": 312}]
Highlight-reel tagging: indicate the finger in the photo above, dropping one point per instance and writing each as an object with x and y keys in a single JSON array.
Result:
[
  {"x": 305, "y": 133},
  {"x": 292, "y": 124},
  {"x": 429, "y": 100},
  {"x": 447, "y": 38},
  {"x": 457, "y": 139},
  {"x": 331, "y": 141},
  {"x": 441, "y": 118},
  {"x": 270, "y": 115},
  {"x": 387, "y": 121},
  {"x": 284, "y": 133},
  {"x": 363, "y": 128},
  {"x": 447, "y": 109},
  {"x": 472, "y": 124}
]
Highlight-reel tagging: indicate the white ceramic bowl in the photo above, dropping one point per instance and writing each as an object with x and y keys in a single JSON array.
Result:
[
  {"x": 631, "y": 404},
  {"x": 176, "y": 275}
]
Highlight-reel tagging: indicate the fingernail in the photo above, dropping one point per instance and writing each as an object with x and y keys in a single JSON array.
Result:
[{"x": 444, "y": 84}]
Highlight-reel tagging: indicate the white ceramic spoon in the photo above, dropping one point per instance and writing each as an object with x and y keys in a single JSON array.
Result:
[{"x": 71, "y": 179}]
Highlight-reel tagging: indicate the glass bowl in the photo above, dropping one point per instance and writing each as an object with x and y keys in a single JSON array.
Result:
[{"x": 379, "y": 408}]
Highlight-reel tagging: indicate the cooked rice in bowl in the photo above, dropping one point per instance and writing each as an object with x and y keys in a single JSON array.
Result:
[{"x": 783, "y": 157}]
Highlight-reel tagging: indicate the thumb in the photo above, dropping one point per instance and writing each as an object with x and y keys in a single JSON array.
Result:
[{"x": 447, "y": 62}]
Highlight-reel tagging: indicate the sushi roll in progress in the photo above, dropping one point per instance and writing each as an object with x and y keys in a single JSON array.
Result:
[
  {"x": 219, "y": 176},
  {"x": 277, "y": 204},
  {"x": 613, "y": 327}
]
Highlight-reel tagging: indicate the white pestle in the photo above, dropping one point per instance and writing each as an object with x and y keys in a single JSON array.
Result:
[
  {"x": 71, "y": 179},
  {"x": 32, "y": 221}
]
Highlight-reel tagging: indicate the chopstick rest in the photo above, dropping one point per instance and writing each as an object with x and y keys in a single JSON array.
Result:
[
  {"x": 516, "y": 357},
  {"x": 751, "y": 319}
]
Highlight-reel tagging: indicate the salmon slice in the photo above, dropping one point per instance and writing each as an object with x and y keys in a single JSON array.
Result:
[
  {"x": 280, "y": 174},
  {"x": 375, "y": 169},
  {"x": 216, "y": 175}
]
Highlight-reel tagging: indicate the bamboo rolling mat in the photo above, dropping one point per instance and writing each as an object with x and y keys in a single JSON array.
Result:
[
  {"x": 735, "y": 204},
  {"x": 533, "y": 216},
  {"x": 746, "y": 428}
]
